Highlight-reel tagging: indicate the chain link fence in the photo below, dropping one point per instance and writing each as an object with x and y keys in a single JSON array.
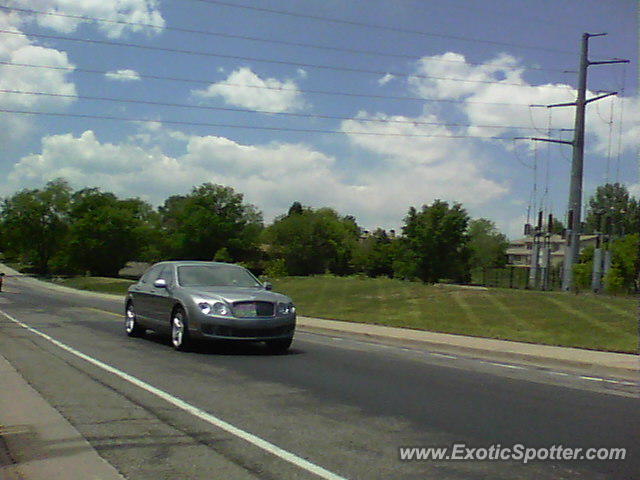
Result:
[{"x": 514, "y": 277}]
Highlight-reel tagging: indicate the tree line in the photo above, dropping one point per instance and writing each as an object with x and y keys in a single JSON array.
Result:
[
  {"x": 615, "y": 214},
  {"x": 56, "y": 230}
]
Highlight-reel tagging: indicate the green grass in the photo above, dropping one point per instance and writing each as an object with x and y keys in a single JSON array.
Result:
[
  {"x": 553, "y": 318},
  {"x": 116, "y": 286},
  {"x": 590, "y": 321}
]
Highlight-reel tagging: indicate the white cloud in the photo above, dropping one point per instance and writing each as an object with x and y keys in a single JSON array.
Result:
[
  {"x": 246, "y": 89},
  {"x": 11, "y": 21},
  {"x": 130, "y": 11},
  {"x": 130, "y": 169},
  {"x": 19, "y": 49},
  {"x": 434, "y": 75},
  {"x": 271, "y": 176},
  {"x": 124, "y": 75},
  {"x": 386, "y": 79},
  {"x": 488, "y": 88},
  {"x": 399, "y": 137},
  {"x": 302, "y": 73},
  {"x": 36, "y": 80},
  {"x": 419, "y": 164}
]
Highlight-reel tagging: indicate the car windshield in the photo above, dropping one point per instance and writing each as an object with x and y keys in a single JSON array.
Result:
[{"x": 215, "y": 276}]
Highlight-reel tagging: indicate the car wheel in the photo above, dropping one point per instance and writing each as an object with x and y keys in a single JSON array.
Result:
[
  {"x": 180, "y": 330},
  {"x": 131, "y": 325},
  {"x": 279, "y": 346}
]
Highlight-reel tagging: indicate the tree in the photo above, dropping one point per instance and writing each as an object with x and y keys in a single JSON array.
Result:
[
  {"x": 434, "y": 244},
  {"x": 626, "y": 260},
  {"x": 210, "y": 218},
  {"x": 313, "y": 241},
  {"x": 625, "y": 265},
  {"x": 487, "y": 245},
  {"x": 375, "y": 254},
  {"x": 105, "y": 232},
  {"x": 34, "y": 223},
  {"x": 557, "y": 227},
  {"x": 612, "y": 205},
  {"x": 295, "y": 209}
]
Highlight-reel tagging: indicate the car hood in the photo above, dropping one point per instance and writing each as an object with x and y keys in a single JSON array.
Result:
[{"x": 237, "y": 294}]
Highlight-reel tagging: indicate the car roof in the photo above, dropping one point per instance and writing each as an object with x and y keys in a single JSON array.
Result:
[{"x": 179, "y": 263}]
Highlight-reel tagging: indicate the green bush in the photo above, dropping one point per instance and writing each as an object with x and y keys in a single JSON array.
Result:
[
  {"x": 276, "y": 268},
  {"x": 614, "y": 282},
  {"x": 223, "y": 255},
  {"x": 582, "y": 274}
]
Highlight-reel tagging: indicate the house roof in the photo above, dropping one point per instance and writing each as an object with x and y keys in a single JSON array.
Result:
[{"x": 555, "y": 238}]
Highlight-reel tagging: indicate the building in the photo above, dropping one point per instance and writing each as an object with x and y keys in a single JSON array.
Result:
[{"x": 519, "y": 251}]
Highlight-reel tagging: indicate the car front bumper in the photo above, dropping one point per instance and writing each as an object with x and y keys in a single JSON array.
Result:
[{"x": 248, "y": 329}]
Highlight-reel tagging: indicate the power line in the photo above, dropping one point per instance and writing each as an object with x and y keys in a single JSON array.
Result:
[
  {"x": 265, "y": 40},
  {"x": 247, "y": 127},
  {"x": 265, "y": 87},
  {"x": 381, "y": 27},
  {"x": 263, "y": 60},
  {"x": 245, "y": 110},
  {"x": 518, "y": 157}
]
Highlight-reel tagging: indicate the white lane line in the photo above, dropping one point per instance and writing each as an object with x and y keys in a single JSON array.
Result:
[
  {"x": 506, "y": 365},
  {"x": 195, "y": 411},
  {"x": 442, "y": 355},
  {"x": 595, "y": 379},
  {"x": 619, "y": 382}
]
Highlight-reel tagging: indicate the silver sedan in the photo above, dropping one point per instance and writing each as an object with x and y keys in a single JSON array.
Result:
[{"x": 208, "y": 300}]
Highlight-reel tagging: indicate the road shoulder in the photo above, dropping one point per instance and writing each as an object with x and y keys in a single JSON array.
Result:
[
  {"x": 620, "y": 365},
  {"x": 40, "y": 443}
]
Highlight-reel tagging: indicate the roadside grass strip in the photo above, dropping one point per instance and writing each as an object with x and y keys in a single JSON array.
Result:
[
  {"x": 465, "y": 307},
  {"x": 191, "y": 409},
  {"x": 611, "y": 308},
  {"x": 521, "y": 325},
  {"x": 117, "y": 286},
  {"x": 580, "y": 314}
]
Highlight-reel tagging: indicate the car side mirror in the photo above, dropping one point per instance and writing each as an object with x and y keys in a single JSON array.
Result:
[
  {"x": 267, "y": 286},
  {"x": 160, "y": 283}
]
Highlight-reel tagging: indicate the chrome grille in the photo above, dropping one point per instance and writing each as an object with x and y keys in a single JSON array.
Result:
[{"x": 253, "y": 309}]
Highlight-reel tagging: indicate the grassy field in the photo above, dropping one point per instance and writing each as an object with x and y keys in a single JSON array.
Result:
[
  {"x": 554, "y": 318},
  {"x": 116, "y": 286}
]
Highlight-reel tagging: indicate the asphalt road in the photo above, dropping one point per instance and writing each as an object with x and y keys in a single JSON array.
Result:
[{"x": 341, "y": 404}]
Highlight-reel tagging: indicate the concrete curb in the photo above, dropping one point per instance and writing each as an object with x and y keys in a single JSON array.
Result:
[
  {"x": 617, "y": 364},
  {"x": 52, "y": 286},
  {"x": 42, "y": 444}
]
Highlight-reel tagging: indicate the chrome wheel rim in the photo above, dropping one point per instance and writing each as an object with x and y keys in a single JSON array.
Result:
[
  {"x": 130, "y": 321},
  {"x": 177, "y": 330}
]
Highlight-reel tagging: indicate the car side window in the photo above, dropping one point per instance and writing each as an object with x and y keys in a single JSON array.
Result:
[
  {"x": 167, "y": 274},
  {"x": 151, "y": 274}
]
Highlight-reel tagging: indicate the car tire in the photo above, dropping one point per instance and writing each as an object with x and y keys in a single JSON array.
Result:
[
  {"x": 180, "y": 338},
  {"x": 279, "y": 346},
  {"x": 131, "y": 325}
]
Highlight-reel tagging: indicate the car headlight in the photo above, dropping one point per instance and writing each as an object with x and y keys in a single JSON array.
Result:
[
  {"x": 286, "y": 309},
  {"x": 214, "y": 308},
  {"x": 205, "y": 307}
]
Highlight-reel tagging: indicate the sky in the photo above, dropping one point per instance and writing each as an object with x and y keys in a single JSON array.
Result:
[{"x": 365, "y": 106}]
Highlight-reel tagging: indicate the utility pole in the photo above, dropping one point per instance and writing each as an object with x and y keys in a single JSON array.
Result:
[{"x": 574, "y": 226}]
